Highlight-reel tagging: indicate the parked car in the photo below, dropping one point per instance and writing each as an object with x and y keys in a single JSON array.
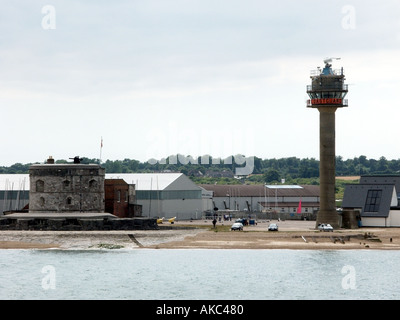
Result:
[
  {"x": 325, "y": 227},
  {"x": 243, "y": 221},
  {"x": 273, "y": 227},
  {"x": 237, "y": 226}
]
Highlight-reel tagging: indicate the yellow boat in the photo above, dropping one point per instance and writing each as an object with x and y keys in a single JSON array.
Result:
[
  {"x": 172, "y": 220},
  {"x": 160, "y": 220}
]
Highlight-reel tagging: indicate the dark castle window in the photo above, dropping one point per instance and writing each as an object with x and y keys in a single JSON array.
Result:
[
  {"x": 66, "y": 184},
  {"x": 39, "y": 186},
  {"x": 92, "y": 184}
]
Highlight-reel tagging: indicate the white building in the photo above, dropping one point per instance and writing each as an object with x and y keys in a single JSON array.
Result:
[{"x": 376, "y": 198}]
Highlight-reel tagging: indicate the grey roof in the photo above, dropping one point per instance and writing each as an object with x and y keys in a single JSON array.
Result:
[
  {"x": 355, "y": 196},
  {"x": 64, "y": 165},
  {"x": 381, "y": 179},
  {"x": 254, "y": 190}
]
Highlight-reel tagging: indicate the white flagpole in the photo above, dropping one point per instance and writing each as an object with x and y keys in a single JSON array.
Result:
[{"x": 101, "y": 148}]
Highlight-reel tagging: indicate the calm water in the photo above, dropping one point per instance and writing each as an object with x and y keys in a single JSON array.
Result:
[{"x": 199, "y": 274}]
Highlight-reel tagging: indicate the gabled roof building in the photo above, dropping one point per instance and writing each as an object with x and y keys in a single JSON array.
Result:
[{"x": 376, "y": 197}]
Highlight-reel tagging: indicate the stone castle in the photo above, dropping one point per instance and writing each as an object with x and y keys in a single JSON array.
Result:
[{"x": 72, "y": 187}]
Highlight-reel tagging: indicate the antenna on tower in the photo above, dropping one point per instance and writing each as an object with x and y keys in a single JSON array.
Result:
[{"x": 329, "y": 60}]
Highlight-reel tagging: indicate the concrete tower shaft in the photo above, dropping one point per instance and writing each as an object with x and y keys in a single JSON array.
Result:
[
  {"x": 327, "y": 212},
  {"x": 327, "y": 92}
]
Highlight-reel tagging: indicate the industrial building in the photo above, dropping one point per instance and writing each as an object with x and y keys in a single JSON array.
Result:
[
  {"x": 288, "y": 201},
  {"x": 165, "y": 195},
  {"x": 375, "y": 200}
]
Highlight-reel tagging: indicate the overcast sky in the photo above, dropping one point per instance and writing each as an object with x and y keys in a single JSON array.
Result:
[{"x": 195, "y": 77}]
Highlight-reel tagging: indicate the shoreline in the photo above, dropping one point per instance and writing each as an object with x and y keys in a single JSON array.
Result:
[{"x": 296, "y": 235}]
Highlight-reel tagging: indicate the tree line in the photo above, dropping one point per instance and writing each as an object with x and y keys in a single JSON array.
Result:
[{"x": 203, "y": 170}]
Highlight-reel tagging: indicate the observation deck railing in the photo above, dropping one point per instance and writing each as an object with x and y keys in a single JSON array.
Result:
[
  {"x": 335, "y": 72},
  {"x": 327, "y": 102},
  {"x": 340, "y": 87}
]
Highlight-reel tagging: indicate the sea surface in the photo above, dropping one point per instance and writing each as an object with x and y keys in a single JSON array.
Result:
[{"x": 211, "y": 274}]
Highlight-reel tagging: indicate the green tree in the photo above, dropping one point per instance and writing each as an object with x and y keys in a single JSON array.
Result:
[
  {"x": 383, "y": 165},
  {"x": 272, "y": 175}
]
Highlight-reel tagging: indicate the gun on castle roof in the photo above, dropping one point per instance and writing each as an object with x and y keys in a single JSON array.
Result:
[{"x": 76, "y": 159}]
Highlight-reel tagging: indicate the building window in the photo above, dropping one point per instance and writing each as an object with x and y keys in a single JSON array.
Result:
[
  {"x": 40, "y": 186},
  {"x": 69, "y": 200},
  {"x": 92, "y": 184},
  {"x": 66, "y": 184},
  {"x": 126, "y": 196},
  {"x": 41, "y": 201},
  {"x": 373, "y": 201},
  {"x": 119, "y": 196}
]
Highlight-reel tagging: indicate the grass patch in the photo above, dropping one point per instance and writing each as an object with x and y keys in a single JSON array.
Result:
[{"x": 220, "y": 228}]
